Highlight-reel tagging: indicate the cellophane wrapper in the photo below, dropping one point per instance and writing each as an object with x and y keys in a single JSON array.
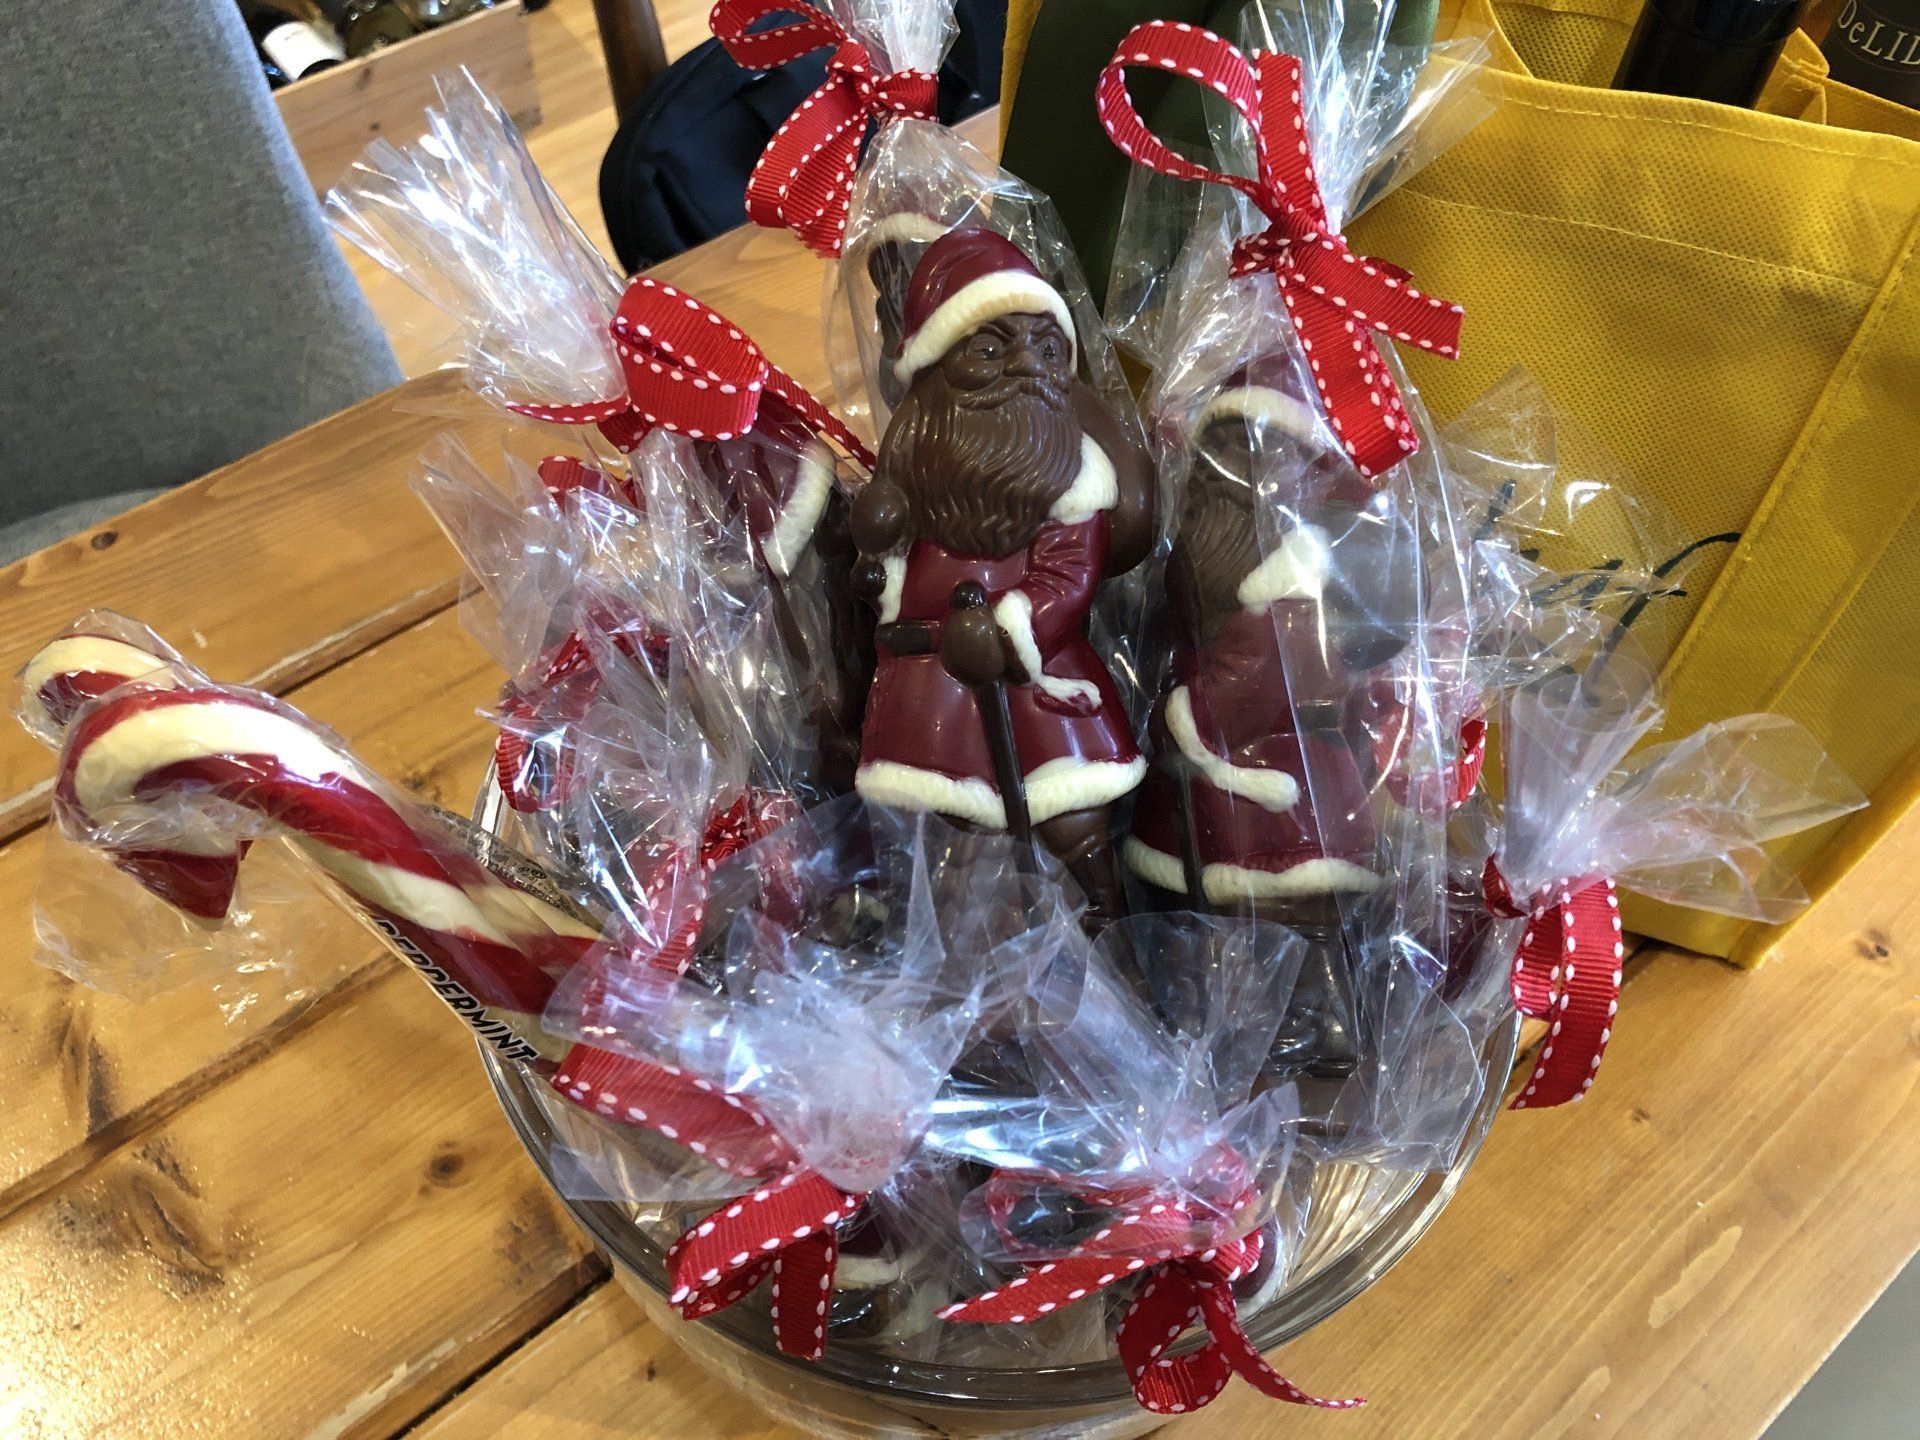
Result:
[
  {"x": 464, "y": 217},
  {"x": 918, "y": 180},
  {"x": 100, "y": 927},
  {"x": 919, "y": 1013},
  {"x": 225, "y": 846},
  {"x": 1566, "y": 659}
]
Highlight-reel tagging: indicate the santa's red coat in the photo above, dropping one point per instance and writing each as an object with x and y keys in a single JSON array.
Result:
[
  {"x": 924, "y": 745},
  {"x": 1277, "y": 813}
]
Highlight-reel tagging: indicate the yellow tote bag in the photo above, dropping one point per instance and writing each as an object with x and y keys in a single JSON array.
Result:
[{"x": 1729, "y": 302}]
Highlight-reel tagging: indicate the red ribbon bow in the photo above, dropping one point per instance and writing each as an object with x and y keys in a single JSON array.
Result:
[
  {"x": 1334, "y": 297},
  {"x": 749, "y": 820},
  {"x": 804, "y": 181},
  {"x": 786, "y": 1228},
  {"x": 691, "y": 370},
  {"x": 1567, "y": 972},
  {"x": 1182, "y": 1284}
]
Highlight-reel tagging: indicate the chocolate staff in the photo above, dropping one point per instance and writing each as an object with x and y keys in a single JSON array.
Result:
[{"x": 977, "y": 661}]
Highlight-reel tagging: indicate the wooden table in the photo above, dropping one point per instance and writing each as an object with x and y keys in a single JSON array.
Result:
[{"x": 312, "y": 1220}]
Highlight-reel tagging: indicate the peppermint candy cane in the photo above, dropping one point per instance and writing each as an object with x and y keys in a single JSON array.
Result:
[
  {"x": 153, "y": 775},
  {"x": 84, "y": 665}
]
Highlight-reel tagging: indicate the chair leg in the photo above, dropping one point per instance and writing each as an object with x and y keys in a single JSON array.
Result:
[{"x": 630, "y": 35}]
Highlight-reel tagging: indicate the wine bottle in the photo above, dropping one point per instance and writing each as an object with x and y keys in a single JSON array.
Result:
[
  {"x": 1720, "y": 50},
  {"x": 1876, "y": 46},
  {"x": 290, "y": 46},
  {"x": 430, "y": 14},
  {"x": 369, "y": 24}
]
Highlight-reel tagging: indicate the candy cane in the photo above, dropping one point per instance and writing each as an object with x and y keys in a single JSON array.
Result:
[
  {"x": 145, "y": 759},
  {"x": 82, "y": 666}
]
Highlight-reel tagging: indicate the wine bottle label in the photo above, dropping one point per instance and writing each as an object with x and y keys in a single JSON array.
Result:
[
  {"x": 1876, "y": 46},
  {"x": 298, "y": 47}
]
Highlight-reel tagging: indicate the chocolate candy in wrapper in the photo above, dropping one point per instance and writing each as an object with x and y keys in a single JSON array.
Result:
[{"x": 992, "y": 481}]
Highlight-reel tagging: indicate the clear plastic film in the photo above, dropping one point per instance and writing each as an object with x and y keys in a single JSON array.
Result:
[
  {"x": 1136, "y": 1065},
  {"x": 1686, "y": 821},
  {"x": 176, "y": 783},
  {"x": 95, "y": 923},
  {"x": 914, "y": 35},
  {"x": 465, "y": 218},
  {"x": 844, "y": 962}
]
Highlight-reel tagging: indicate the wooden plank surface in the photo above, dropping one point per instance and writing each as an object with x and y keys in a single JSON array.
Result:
[
  {"x": 334, "y": 114},
  {"x": 265, "y": 572},
  {"x": 324, "y": 1245}
]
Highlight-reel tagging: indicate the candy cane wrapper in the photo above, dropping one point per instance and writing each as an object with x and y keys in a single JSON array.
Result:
[{"x": 176, "y": 778}]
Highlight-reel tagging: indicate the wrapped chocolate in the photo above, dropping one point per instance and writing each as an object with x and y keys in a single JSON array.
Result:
[{"x": 669, "y": 401}]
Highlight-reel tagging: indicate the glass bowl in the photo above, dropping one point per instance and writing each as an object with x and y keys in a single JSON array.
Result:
[{"x": 1361, "y": 1220}]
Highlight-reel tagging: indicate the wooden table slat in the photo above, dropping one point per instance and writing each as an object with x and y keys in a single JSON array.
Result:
[
  {"x": 323, "y": 1245},
  {"x": 84, "y": 1071},
  {"x": 266, "y": 572}
]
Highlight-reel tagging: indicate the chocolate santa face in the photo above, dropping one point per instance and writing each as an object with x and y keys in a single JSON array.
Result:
[
  {"x": 1216, "y": 547},
  {"x": 985, "y": 442}
]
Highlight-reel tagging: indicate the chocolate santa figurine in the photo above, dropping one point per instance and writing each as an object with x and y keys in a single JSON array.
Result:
[
  {"x": 1273, "y": 731},
  {"x": 1006, "y": 492}
]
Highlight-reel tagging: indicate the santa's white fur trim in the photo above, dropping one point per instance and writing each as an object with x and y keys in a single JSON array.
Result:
[
  {"x": 1094, "y": 489},
  {"x": 1274, "y": 790},
  {"x": 1055, "y": 788},
  {"x": 1156, "y": 867},
  {"x": 864, "y": 1272},
  {"x": 896, "y": 568},
  {"x": 83, "y": 655},
  {"x": 1296, "y": 570},
  {"x": 1263, "y": 405},
  {"x": 1014, "y": 612},
  {"x": 1227, "y": 883},
  {"x": 1325, "y": 876},
  {"x": 1005, "y": 292},
  {"x": 905, "y": 226},
  {"x": 794, "y": 526}
]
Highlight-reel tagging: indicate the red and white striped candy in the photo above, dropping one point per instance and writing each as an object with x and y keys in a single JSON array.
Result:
[
  {"x": 76, "y": 668},
  {"x": 141, "y": 764}
]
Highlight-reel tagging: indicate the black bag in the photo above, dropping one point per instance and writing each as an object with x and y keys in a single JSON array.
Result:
[{"x": 676, "y": 172}]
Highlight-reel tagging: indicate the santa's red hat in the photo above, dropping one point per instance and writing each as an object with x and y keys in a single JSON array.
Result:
[{"x": 966, "y": 278}]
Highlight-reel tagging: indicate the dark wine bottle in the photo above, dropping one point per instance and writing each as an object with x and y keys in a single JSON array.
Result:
[
  {"x": 368, "y": 24},
  {"x": 430, "y": 14},
  {"x": 1719, "y": 50},
  {"x": 290, "y": 47},
  {"x": 1875, "y": 45}
]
